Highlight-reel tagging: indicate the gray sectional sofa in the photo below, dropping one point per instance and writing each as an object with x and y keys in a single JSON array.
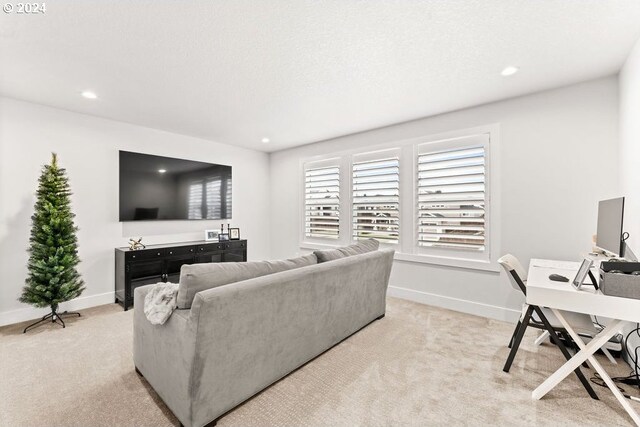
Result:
[{"x": 231, "y": 339}]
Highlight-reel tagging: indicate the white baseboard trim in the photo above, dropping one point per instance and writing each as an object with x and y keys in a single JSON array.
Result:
[
  {"x": 456, "y": 304},
  {"x": 465, "y": 306},
  {"x": 32, "y": 313}
]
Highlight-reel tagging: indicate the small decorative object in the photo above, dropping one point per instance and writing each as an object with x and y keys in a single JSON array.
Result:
[
  {"x": 53, "y": 254},
  {"x": 210, "y": 235},
  {"x": 234, "y": 234},
  {"x": 223, "y": 237},
  {"x": 222, "y": 228},
  {"x": 134, "y": 244}
]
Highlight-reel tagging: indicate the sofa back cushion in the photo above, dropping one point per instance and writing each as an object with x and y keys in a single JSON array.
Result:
[
  {"x": 362, "y": 247},
  {"x": 199, "y": 277}
]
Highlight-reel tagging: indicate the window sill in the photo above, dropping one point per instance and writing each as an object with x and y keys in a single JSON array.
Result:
[
  {"x": 468, "y": 264},
  {"x": 319, "y": 246}
]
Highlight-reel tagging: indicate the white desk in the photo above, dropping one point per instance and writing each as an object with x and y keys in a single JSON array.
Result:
[{"x": 562, "y": 296}]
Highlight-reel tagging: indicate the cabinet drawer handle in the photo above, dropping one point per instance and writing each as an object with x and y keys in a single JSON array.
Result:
[
  {"x": 133, "y": 256},
  {"x": 202, "y": 249},
  {"x": 170, "y": 253},
  {"x": 158, "y": 253},
  {"x": 191, "y": 250}
]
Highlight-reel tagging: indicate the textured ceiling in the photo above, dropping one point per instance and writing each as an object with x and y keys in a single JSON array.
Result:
[{"x": 302, "y": 71}]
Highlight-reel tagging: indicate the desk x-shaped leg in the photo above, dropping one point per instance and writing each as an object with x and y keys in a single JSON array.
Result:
[
  {"x": 587, "y": 353},
  {"x": 520, "y": 330}
]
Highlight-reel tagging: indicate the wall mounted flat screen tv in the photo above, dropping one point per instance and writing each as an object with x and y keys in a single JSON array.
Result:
[{"x": 163, "y": 188}]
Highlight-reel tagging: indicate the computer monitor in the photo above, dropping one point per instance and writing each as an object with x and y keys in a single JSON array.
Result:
[{"x": 610, "y": 216}]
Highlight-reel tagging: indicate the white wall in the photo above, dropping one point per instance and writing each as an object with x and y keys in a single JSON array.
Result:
[
  {"x": 88, "y": 148},
  {"x": 556, "y": 150},
  {"x": 630, "y": 145},
  {"x": 558, "y": 155},
  {"x": 629, "y": 81}
]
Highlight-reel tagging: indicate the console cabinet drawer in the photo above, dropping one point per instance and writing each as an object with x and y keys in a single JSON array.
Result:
[
  {"x": 210, "y": 247},
  {"x": 181, "y": 250},
  {"x": 239, "y": 244},
  {"x": 144, "y": 254}
]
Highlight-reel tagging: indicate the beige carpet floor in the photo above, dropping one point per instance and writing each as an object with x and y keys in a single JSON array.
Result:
[{"x": 420, "y": 365}]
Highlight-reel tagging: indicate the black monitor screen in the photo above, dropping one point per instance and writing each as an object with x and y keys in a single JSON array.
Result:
[
  {"x": 610, "y": 214},
  {"x": 164, "y": 188}
]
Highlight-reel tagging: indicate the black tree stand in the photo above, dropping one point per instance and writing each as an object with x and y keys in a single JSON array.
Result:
[{"x": 55, "y": 318}]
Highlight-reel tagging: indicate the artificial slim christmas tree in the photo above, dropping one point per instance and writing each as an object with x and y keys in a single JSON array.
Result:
[{"x": 53, "y": 253}]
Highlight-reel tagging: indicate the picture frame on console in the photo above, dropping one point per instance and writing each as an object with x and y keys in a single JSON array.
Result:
[
  {"x": 223, "y": 237},
  {"x": 234, "y": 234},
  {"x": 210, "y": 235}
]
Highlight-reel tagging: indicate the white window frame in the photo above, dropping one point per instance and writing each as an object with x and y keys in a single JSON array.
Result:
[
  {"x": 372, "y": 156},
  {"x": 407, "y": 249},
  {"x": 443, "y": 254},
  {"x": 319, "y": 242}
]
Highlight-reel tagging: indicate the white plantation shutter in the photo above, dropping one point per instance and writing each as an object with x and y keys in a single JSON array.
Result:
[
  {"x": 195, "y": 200},
  {"x": 452, "y": 198},
  {"x": 376, "y": 199},
  {"x": 322, "y": 202}
]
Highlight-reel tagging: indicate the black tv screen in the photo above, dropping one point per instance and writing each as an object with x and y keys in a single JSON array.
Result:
[{"x": 163, "y": 188}]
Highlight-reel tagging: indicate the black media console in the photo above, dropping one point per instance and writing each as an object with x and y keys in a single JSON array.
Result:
[{"x": 161, "y": 263}]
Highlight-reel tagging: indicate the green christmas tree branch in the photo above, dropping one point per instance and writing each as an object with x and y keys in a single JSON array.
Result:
[{"x": 53, "y": 252}]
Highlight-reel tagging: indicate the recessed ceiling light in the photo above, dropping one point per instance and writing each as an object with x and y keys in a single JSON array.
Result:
[
  {"x": 266, "y": 140},
  {"x": 89, "y": 95},
  {"x": 509, "y": 71},
  {"x": 162, "y": 170}
]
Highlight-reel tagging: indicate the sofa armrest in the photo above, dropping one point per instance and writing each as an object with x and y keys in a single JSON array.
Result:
[
  {"x": 140, "y": 293},
  {"x": 163, "y": 354}
]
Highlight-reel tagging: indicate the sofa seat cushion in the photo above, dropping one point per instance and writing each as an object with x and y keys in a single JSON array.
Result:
[
  {"x": 199, "y": 277},
  {"x": 362, "y": 247}
]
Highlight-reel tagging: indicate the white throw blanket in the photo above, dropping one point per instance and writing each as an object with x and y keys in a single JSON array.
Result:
[{"x": 160, "y": 302}]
